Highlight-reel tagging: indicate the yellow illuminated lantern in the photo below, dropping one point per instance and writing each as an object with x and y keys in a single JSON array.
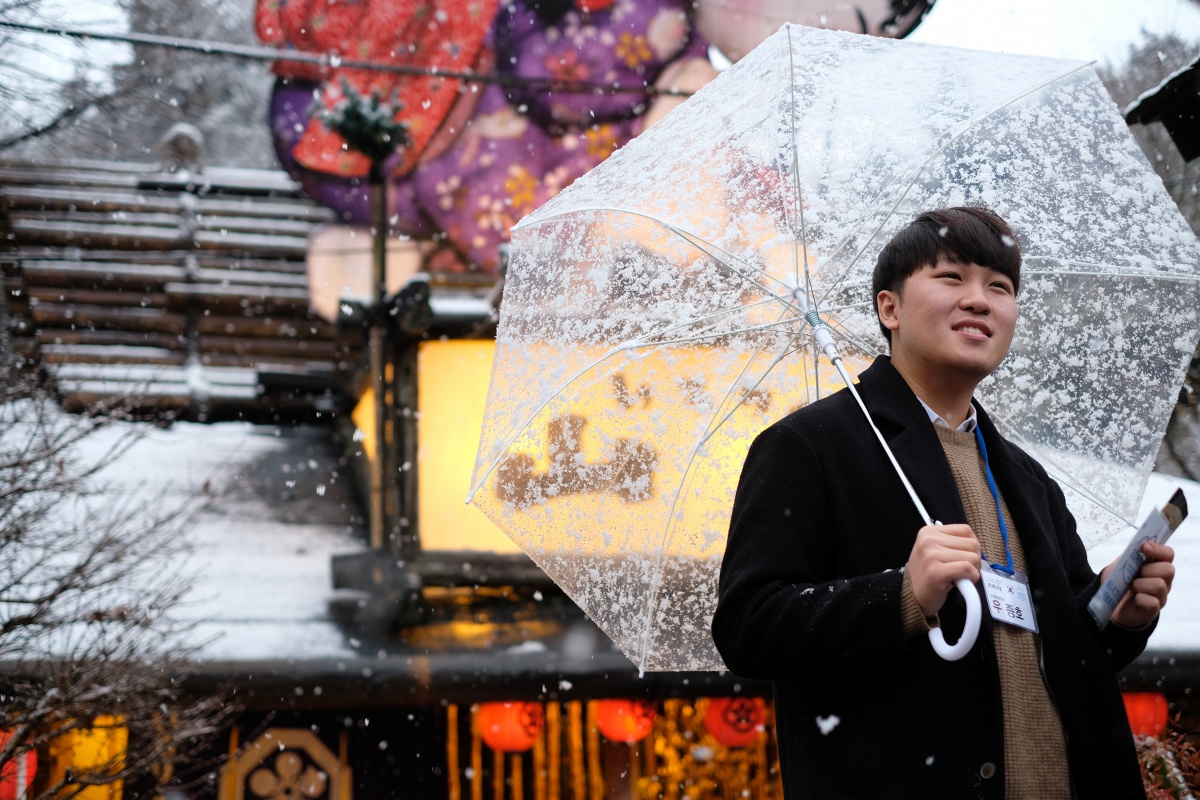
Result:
[{"x": 95, "y": 753}]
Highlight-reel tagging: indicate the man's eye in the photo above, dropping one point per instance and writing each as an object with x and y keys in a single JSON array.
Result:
[{"x": 953, "y": 275}]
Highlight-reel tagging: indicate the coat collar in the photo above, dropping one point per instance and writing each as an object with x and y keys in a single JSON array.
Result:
[{"x": 909, "y": 432}]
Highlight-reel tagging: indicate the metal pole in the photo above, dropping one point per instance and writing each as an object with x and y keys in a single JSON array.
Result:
[{"x": 377, "y": 365}]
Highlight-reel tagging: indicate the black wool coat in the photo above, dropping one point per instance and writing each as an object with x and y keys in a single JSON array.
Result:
[{"x": 810, "y": 599}]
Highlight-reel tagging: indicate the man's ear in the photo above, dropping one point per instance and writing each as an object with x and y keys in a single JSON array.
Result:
[{"x": 886, "y": 303}]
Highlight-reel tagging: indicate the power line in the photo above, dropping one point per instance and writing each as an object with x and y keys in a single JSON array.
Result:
[{"x": 334, "y": 61}]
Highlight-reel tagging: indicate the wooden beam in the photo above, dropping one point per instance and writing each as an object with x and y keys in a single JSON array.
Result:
[
  {"x": 82, "y": 199},
  {"x": 48, "y": 294},
  {"x": 89, "y": 217},
  {"x": 80, "y": 396},
  {"x": 164, "y": 341},
  {"x": 110, "y": 354},
  {"x": 276, "y": 209},
  {"x": 96, "y": 274},
  {"x": 282, "y": 227},
  {"x": 271, "y": 348},
  {"x": 270, "y": 298},
  {"x": 223, "y": 377},
  {"x": 247, "y": 276},
  {"x": 251, "y": 242},
  {"x": 265, "y": 327},
  {"x": 134, "y": 237},
  {"x": 280, "y": 266},
  {"x": 266, "y": 362},
  {"x": 30, "y": 175},
  {"x": 75, "y": 316}
]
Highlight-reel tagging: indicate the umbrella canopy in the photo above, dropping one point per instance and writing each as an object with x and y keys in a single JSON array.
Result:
[{"x": 652, "y": 321}]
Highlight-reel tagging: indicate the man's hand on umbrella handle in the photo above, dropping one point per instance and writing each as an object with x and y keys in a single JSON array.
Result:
[
  {"x": 941, "y": 555},
  {"x": 1148, "y": 592}
]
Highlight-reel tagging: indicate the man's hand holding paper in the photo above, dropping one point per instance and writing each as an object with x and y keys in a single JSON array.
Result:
[{"x": 1148, "y": 592}]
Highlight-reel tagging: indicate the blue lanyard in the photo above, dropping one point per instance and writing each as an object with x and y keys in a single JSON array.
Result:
[{"x": 991, "y": 481}]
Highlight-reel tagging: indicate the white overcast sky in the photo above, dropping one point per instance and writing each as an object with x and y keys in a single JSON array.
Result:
[
  {"x": 61, "y": 57},
  {"x": 1100, "y": 30}
]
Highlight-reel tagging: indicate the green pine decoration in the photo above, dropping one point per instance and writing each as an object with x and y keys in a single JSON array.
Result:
[{"x": 367, "y": 123}]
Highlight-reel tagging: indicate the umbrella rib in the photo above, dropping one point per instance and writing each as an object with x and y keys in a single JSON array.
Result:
[
  {"x": 937, "y": 151},
  {"x": 692, "y": 239},
  {"x": 852, "y": 338},
  {"x": 1063, "y": 474},
  {"x": 808, "y": 398},
  {"x": 704, "y": 247},
  {"x": 1096, "y": 270},
  {"x": 714, "y": 334},
  {"x": 667, "y": 534},
  {"x": 524, "y": 425},
  {"x": 850, "y": 307},
  {"x": 815, "y": 352},
  {"x": 630, "y": 345},
  {"x": 708, "y": 318},
  {"x": 741, "y": 401},
  {"x": 623, "y": 347},
  {"x": 797, "y": 194}
]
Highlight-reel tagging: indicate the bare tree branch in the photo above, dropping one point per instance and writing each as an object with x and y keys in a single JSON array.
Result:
[
  {"x": 67, "y": 114},
  {"x": 87, "y": 584}
]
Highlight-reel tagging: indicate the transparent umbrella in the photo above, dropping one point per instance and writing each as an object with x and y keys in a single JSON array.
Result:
[{"x": 654, "y": 316}]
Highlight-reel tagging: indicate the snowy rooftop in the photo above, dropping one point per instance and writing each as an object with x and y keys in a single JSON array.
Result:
[
  {"x": 282, "y": 507},
  {"x": 279, "y": 508}
]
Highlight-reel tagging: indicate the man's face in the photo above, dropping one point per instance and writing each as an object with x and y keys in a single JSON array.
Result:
[{"x": 952, "y": 318}]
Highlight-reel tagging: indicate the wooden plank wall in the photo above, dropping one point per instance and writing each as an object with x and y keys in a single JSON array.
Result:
[{"x": 185, "y": 292}]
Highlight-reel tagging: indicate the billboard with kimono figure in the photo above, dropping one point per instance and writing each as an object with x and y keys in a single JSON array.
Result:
[{"x": 484, "y": 155}]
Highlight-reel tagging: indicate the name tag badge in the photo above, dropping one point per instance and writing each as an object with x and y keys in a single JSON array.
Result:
[{"x": 1008, "y": 597}]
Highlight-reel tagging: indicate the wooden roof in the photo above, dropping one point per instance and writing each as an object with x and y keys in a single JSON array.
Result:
[
  {"x": 1175, "y": 103},
  {"x": 184, "y": 291}
]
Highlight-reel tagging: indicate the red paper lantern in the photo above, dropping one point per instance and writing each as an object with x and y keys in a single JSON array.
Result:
[
  {"x": 625, "y": 721},
  {"x": 17, "y": 775},
  {"x": 1147, "y": 712},
  {"x": 735, "y": 721},
  {"x": 509, "y": 727}
]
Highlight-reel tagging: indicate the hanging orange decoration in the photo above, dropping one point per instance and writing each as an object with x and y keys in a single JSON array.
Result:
[
  {"x": 1147, "y": 712},
  {"x": 509, "y": 727},
  {"x": 16, "y": 776},
  {"x": 625, "y": 721},
  {"x": 735, "y": 721}
]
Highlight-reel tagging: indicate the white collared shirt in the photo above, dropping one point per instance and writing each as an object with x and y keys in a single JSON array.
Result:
[{"x": 967, "y": 426}]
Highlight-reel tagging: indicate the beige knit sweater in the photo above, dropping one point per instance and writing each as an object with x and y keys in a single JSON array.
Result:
[{"x": 1035, "y": 756}]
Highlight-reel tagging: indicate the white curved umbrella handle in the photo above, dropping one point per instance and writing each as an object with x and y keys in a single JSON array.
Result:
[
  {"x": 953, "y": 652},
  {"x": 966, "y": 641}
]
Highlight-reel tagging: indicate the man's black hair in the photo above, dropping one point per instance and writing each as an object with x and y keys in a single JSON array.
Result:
[{"x": 961, "y": 235}]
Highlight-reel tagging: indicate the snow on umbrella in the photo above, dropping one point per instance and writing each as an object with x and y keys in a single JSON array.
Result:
[{"x": 653, "y": 315}]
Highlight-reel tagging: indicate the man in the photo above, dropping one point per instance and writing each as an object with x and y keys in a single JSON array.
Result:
[{"x": 831, "y": 581}]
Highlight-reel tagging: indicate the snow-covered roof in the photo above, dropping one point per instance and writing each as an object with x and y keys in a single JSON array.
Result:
[
  {"x": 282, "y": 507},
  {"x": 279, "y": 507},
  {"x": 1144, "y": 107}
]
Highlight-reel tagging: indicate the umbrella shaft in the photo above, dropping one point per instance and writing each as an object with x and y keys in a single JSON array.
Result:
[{"x": 908, "y": 487}]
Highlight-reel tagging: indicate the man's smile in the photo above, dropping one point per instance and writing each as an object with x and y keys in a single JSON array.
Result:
[{"x": 977, "y": 330}]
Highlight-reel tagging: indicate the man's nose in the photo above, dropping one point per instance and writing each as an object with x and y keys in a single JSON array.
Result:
[{"x": 974, "y": 298}]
